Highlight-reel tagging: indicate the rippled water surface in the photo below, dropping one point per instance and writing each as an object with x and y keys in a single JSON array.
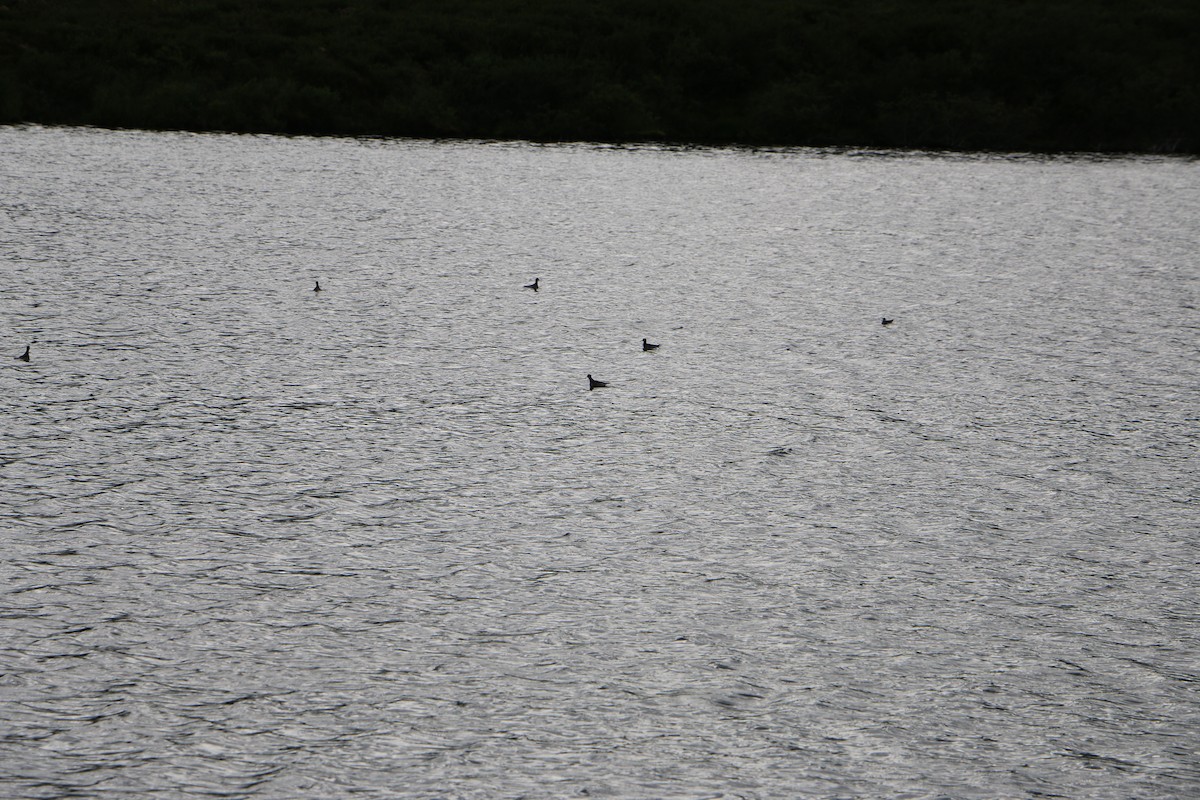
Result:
[{"x": 381, "y": 541}]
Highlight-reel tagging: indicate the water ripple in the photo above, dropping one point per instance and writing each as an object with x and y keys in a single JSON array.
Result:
[{"x": 382, "y": 541}]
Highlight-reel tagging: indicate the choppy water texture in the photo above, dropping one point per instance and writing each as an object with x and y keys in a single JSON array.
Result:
[{"x": 381, "y": 541}]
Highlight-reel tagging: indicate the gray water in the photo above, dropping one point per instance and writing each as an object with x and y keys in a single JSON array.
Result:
[{"x": 381, "y": 541}]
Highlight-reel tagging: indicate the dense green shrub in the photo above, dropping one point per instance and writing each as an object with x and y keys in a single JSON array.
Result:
[{"x": 962, "y": 74}]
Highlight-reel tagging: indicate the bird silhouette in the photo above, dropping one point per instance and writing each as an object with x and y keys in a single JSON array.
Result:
[
  {"x": 24, "y": 356},
  {"x": 887, "y": 321},
  {"x": 647, "y": 346},
  {"x": 317, "y": 288},
  {"x": 533, "y": 285},
  {"x": 595, "y": 384}
]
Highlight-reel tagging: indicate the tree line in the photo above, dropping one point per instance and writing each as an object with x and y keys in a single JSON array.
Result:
[{"x": 1010, "y": 75}]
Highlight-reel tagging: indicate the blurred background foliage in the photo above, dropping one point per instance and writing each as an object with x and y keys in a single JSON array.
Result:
[{"x": 1051, "y": 75}]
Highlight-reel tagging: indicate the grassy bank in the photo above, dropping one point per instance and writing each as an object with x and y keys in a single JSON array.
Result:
[{"x": 1056, "y": 75}]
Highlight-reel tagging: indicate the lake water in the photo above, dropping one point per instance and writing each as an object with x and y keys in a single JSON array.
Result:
[{"x": 381, "y": 541}]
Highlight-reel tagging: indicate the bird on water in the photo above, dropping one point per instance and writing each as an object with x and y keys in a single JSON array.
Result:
[
  {"x": 595, "y": 384},
  {"x": 533, "y": 285},
  {"x": 24, "y": 356},
  {"x": 647, "y": 346},
  {"x": 887, "y": 321},
  {"x": 317, "y": 288}
]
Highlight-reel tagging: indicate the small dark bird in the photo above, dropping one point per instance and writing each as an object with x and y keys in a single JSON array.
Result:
[
  {"x": 595, "y": 384},
  {"x": 317, "y": 288},
  {"x": 647, "y": 346},
  {"x": 24, "y": 356},
  {"x": 533, "y": 285},
  {"x": 887, "y": 321}
]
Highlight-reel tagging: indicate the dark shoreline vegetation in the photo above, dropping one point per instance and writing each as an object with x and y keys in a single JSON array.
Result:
[{"x": 1005, "y": 75}]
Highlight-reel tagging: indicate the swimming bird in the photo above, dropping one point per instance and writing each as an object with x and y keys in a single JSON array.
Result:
[
  {"x": 595, "y": 384},
  {"x": 533, "y": 285},
  {"x": 317, "y": 288},
  {"x": 24, "y": 356},
  {"x": 887, "y": 321},
  {"x": 647, "y": 346}
]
